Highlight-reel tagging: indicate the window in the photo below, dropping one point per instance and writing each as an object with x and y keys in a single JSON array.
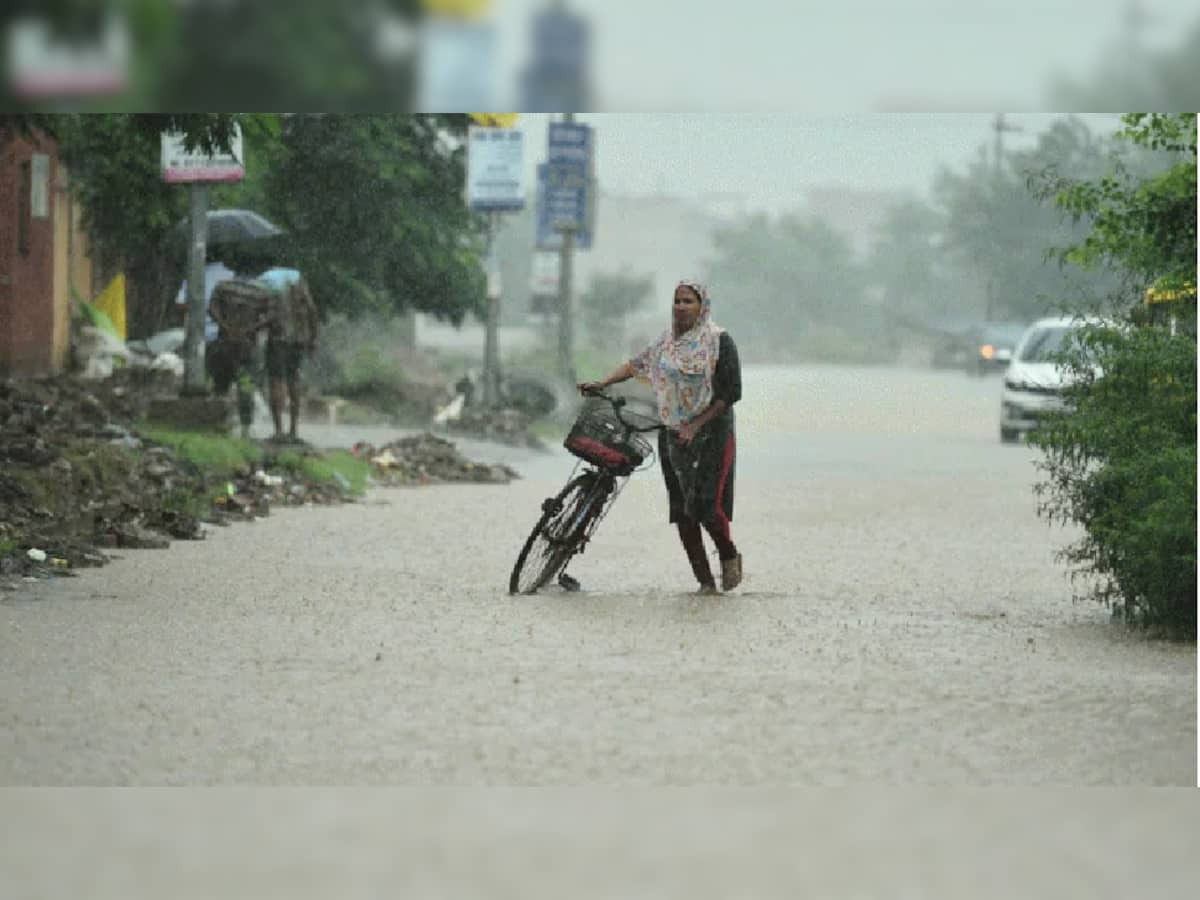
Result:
[{"x": 25, "y": 207}]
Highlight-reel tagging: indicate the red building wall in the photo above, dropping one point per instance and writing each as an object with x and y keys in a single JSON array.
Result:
[{"x": 26, "y": 256}]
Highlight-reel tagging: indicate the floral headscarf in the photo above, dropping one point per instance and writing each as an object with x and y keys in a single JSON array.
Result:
[{"x": 680, "y": 369}]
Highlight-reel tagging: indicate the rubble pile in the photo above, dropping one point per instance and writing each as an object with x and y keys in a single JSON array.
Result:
[
  {"x": 427, "y": 459},
  {"x": 75, "y": 481}
]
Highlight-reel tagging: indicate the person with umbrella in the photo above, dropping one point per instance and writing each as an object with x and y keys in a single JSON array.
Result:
[{"x": 291, "y": 335}]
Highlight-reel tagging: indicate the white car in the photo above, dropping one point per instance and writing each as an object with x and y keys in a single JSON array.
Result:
[{"x": 1033, "y": 383}]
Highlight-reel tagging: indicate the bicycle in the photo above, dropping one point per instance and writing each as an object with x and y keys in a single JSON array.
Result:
[{"x": 611, "y": 446}]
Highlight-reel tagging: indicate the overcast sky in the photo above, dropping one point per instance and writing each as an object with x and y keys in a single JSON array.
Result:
[{"x": 770, "y": 159}]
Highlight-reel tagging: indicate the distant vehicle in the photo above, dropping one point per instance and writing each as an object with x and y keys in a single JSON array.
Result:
[
  {"x": 977, "y": 349},
  {"x": 1033, "y": 382},
  {"x": 994, "y": 345}
]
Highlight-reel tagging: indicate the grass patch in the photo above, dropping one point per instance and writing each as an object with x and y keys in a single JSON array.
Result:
[
  {"x": 7, "y": 546},
  {"x": 186, "y": 502},
  {"x": 213, "y": 452},
  {"x": 326, "y": 468}
]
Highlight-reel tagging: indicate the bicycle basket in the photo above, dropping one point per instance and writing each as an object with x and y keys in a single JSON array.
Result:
[{"x": 599, "y": 437}]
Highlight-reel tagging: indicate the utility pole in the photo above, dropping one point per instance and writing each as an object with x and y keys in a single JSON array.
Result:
[
  {"x": 566, "y": 337},
  {"x": 491, "y": 342},
  {"x": 1000, "y": 127},
  {"x": 194, "y": 376}
]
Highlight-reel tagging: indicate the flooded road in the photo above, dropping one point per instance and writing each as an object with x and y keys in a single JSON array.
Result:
[{"x": 903, "y": 621}]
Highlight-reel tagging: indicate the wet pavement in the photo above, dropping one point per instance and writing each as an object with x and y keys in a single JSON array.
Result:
[{"x": 903, "y": 621}]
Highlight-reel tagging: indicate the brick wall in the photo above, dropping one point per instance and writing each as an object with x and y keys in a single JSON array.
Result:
[{"x": 27, "y": 308}]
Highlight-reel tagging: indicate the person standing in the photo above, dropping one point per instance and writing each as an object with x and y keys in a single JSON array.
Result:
[
  {"x": 291, "y": 335},
  {"x": 694, "y": 370}
]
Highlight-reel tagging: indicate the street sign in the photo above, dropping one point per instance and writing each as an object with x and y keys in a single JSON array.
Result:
[
  {"x": 570, "y": 142},
  {"x": 543, "y": 277},
  {"x": 566, "y": 195},
  {"x": 180, "y": 165},
  {"x": 495, "y": 169},
  {"x": 562, "y": 198}
]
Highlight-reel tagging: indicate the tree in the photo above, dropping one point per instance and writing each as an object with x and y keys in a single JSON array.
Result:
[
  {"x": 374, "y": 212},
  {"x": 790, "y": 289},
  {"x": 997, "y": 230},
  {"x": 611, "y": 297},
  {"x": 1122, "y": 462},
  {"x": 909, "y": 267},
  {"x": 114, "y": 161}
]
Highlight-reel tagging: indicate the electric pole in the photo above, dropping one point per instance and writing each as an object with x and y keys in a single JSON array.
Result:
[
  {"x": 491, "y": 342},
  {"x": 566, "y": 336}
]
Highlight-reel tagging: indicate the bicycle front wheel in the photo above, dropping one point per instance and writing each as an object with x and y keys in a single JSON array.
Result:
[{"x": 554, "y": 538}]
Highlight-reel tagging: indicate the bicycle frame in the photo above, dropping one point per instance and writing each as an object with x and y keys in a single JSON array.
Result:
[{"x": 600, "y": 491}]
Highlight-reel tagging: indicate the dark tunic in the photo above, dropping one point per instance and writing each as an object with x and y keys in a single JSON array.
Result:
[{"x": 700, "y": 474}]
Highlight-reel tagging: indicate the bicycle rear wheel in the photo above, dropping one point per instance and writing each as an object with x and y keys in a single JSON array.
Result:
[{"x": 554, "y": 538}]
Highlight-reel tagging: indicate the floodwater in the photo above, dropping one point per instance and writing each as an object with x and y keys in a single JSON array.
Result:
[{"x": 903, "y": 622}]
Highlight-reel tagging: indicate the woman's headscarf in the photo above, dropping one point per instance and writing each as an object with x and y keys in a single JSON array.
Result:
[{"x": 680, "y": 369}]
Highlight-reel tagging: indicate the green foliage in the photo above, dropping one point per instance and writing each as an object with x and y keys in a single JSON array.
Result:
[
  {"x": 1123, "y": 465},
  {"x": 1147, "y": 226},
  {"x": 1122, "y": 462},
  {"x": 374, "y": 210},
  {"x": 996, "y": 229},
  {"x": 326, "y": 468},
  {"x": 215, "y": 453},
  {"x": 115, "y": 166},
  {"x": 774, "y": 281}
]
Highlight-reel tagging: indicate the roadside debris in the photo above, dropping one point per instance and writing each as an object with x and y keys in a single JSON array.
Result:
[
  {"x": 78, "y": 480},
  {"x": 427, "y": 459}
]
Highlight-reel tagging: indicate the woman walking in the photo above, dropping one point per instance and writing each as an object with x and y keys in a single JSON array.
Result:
[{"x": 693, "y": 368}]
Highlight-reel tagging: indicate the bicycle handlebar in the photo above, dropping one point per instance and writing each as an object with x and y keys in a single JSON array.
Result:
[{"x": 617, "y": 403}]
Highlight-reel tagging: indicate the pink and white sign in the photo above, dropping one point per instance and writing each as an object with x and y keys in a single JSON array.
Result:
[{"x": 179, "y": 165}]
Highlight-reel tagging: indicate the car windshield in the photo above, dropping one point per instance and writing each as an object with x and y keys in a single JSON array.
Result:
[{"x": 1043, "y": 343}]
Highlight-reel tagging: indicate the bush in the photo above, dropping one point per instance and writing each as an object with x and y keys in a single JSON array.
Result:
[{"x": 1122, "y": 463}]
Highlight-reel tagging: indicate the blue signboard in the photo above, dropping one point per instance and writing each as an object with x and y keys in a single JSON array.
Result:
[
  {"x": 570, "y": 142},
  {"x": 563, "y": 197}
]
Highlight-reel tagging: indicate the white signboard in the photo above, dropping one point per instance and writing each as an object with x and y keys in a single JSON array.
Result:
[
  {"x": 495, "y": 168},
  {"x": 180, "y": 166},
  {"x": 543, "y": 276}
]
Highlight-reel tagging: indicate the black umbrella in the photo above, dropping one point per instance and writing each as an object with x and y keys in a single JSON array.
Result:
[{"x": 234, "y": 226}]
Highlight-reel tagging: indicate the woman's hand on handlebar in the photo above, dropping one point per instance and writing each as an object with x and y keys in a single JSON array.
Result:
[{"x": 590, "y": 387}]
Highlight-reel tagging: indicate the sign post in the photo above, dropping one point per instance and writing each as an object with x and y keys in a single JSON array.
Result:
[
  {"x": 565, "y": 212},
  {"x": 495, "y": 184},
  {"x": 198, "y": 170}
]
